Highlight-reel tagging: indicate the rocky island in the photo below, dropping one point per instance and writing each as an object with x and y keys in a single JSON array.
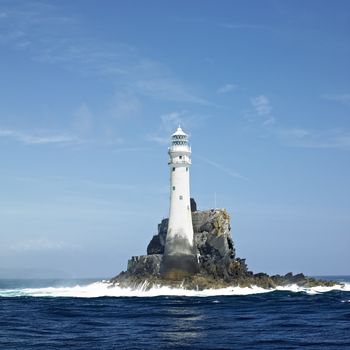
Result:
[
  {"x": 194, "y": 249},
  {"x": 218, "y": 265}
]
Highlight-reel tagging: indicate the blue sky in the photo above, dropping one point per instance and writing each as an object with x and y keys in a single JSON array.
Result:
[{"x": 90, "y": 92}]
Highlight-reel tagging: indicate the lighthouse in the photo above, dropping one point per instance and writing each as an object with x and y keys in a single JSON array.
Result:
[{"x": 180, "y": 259}]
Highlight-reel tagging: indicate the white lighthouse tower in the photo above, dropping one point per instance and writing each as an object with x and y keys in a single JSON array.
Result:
[{"x": 179, "y": 255}]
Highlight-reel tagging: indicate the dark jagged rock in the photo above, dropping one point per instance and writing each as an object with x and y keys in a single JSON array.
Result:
[
  {"x": 145, "y": 265},
  {"x": 157, "y": 244},
  {"x": 193, "y": 205},
  {"x": 218, "y": 265}
]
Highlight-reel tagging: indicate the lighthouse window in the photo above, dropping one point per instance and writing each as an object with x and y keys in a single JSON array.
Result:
[
  {"x": 173, "y": 188},
  {"x": 180, "y": 157},
  {"x": 180, "y": 197},
  {"x": 173, "y": 168},
  {"x": 186, "y": 168}
]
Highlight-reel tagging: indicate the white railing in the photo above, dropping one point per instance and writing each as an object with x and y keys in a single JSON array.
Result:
[{"x": 180, "y": 161}]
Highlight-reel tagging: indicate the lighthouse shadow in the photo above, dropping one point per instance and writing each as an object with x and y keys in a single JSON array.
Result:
[{"x": 178, "y": 266}]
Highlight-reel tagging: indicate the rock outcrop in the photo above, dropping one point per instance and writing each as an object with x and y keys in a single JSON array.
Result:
[{"x": 218, "y": 264}]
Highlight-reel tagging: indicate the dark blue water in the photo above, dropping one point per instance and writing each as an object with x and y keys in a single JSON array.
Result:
[{"x": 275, "y": 320}]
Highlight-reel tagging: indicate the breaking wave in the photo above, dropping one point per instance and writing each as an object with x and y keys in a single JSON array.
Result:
[{"x": 105, "y": 289}]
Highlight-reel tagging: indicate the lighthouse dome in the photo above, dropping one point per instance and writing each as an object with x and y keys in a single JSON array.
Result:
[
  {"x": 179, "y": 141},
  {"x": 179, "y": 132}
]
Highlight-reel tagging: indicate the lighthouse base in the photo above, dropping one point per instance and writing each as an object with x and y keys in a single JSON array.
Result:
[{"x": 178, "y": 266}]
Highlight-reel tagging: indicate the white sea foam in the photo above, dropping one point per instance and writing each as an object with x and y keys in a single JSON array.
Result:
[
  {"x": 101, "y": 289},
  {"x": 315, "y": 290}
]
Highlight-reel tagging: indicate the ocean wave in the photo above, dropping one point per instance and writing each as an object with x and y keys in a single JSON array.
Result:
[{"x": 105, "y": 289}]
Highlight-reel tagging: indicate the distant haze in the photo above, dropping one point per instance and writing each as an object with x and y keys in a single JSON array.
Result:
[{"x": 91, "y": 92}]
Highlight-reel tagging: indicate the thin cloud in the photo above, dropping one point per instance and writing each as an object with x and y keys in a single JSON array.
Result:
[
  {"x": 38, "y": 138},
  {"x": 108, "y": 186},
  {"x": 158, "y": 139},
  {"x": 37, "y": 245},
  {"x": 83, "y": 120},
  {"x": 170, "y": 121},
  {"x": 33, "y": 29},
  {"x": 262, "y": 111},
  {"x": 226, "y": 88},
  {"x": 132, "y": 149},
  {"x": 223, "y": 169},
  {"x": 261, "y": 105},
  {"x": 341, "y": 98},
  {"x": 168, "y": 89},
  {"x": 188, "y": 120},
  {"x": 238, "y": 26},
  {"x": 125, "y": 105},
  {"x": 298, "y": 136},
  {"x": 269, "y": 121},
  {"x": 307, "y": 138}
]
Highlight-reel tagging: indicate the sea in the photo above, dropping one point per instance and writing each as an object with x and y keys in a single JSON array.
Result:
[{"x": 92, "y": 314}]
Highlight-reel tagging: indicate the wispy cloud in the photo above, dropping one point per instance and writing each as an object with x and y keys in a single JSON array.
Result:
[
  {"x": 262, "y": 111},
  {"x": 222, "y": 168},
  {"x": 226, "y": 88},
  {"x": 270, "y": 120},
  {"x": 37, "y": 245},
  {"x": 132, "y": 149},
  {"x": 342, "y": 98},
  {"x": 107, "y": 186},
  {"x": 168, "y": 89},
  {"x": 307, "y": 138},
  {"x": 158, "y": 139},
  {"x": 238, "y": 26},
  {"x": 170, "y": 121},
  {"x": 39, "y": 137},
  {"x": 186, "y": 119},
  {"x": 125, "y": 105},
  {"x": 83, "y": 120},
  {"x": 261, "y": 104},
  {"x": 334, "y": 138},
  {"x": 34, "y": 29}
]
